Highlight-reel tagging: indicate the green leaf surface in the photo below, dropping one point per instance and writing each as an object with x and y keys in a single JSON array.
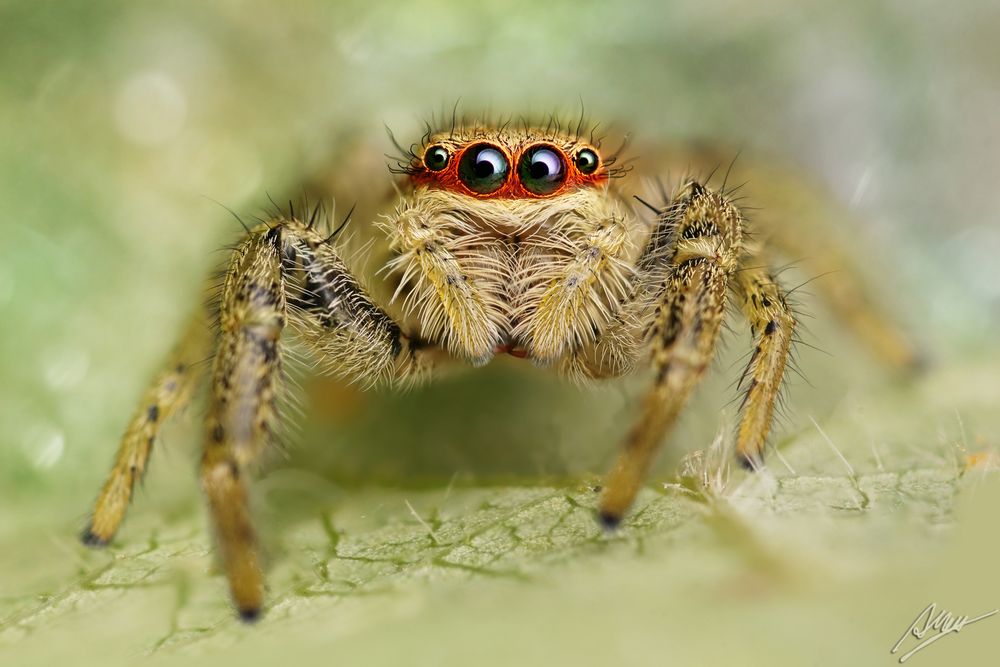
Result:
[{"x": 454, "y": 524}]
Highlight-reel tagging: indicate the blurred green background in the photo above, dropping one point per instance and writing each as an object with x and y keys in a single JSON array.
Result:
[{"x": 452, "y": 525}]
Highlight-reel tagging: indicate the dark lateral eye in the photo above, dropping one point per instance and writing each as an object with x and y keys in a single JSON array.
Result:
[
  {"x": 483, "y": 168},
  {"x": 542, "y": 170},
  {"x": 436, "y": 158},
  {"x": 587, "y": 161}
]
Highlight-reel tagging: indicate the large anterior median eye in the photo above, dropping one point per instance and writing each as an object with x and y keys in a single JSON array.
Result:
[
  {"x": 542, "y": 170},
  {"x": 483, "y": 168}
]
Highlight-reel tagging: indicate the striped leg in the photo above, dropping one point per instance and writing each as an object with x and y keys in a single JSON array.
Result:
[
  {"x": 242, "y": 415},
  {"x": 169, "y": 392},
  {"x": 772, "y": 323},
  {"x": 803, "y": 223},
  {"x": 287, "y": 274},
  {"x": 689, "y": 314}
]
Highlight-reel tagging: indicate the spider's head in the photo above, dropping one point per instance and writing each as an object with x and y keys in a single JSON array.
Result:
[
  {"x": 503, "y": 164},
  {"x": 504, "y": 178}
]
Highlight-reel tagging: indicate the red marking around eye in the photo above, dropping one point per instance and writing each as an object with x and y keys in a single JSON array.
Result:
[{"x": 448, "y": 178}]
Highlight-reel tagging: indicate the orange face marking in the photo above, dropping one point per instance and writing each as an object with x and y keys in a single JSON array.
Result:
[{"x": 492, "y": 169}]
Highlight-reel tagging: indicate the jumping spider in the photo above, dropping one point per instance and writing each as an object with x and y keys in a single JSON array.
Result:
[{"x": 502, "y": 241}]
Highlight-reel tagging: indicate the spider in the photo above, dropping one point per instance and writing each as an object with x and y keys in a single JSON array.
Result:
[{"x": 502, "y": 241}]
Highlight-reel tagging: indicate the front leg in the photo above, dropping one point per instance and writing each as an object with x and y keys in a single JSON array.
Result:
[
  {"x": 243, "y": 408},
  {"x": 285, "y": 274},
  {"x": 698, "y": 258}
]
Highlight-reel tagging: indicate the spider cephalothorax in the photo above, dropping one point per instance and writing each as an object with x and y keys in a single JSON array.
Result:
[
  {"x": 502, "y": 240},
  {"x": 512, "y": 241}
]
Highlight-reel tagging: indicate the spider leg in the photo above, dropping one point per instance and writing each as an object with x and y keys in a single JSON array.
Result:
[
  {"x": 169, "y": 392},
  {"x": 772, "y": 323},
  {"x": 698, "y": 260},
  {"x": 242, "y": 413},
  {"x": 802, "y": 222},
  {"x": 349, "y": 335},
  {"x": 288, "y": 273}
]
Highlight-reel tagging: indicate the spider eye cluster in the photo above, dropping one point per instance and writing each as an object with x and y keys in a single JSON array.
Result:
[{"x": 485, "y": 168}]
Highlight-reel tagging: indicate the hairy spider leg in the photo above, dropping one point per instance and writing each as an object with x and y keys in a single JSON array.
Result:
[
  {"x": 170, "y": 391},
  {"x": 694, "y": 252},
  {"x": 288, "y": 273},
  {"x": 772, "y": 325},
  {"x": 243, "y": 408}
]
